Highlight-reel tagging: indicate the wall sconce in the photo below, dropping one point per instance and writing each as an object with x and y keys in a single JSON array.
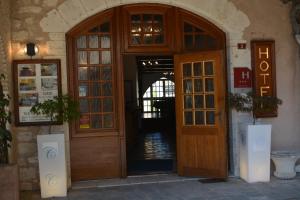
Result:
[{"x": 31, "y": 49}]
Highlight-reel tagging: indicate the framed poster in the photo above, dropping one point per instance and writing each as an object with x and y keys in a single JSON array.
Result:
[{"x": 34, "y": 82}]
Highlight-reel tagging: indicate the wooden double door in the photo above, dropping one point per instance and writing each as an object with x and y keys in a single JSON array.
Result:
[
  {"x": 95, "y": 77},
  {"x": 200, "y": 114}
]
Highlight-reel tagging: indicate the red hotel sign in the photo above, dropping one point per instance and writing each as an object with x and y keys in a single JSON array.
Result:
[
  {"x": 242, "y": 77},
  {"x": 264, "y": 71}
]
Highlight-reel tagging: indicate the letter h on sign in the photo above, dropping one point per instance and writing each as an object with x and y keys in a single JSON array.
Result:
[{"x": 242, "y": 77}]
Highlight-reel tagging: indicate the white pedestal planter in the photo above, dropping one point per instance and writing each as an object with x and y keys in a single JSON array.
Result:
[
  {"x": 52, "y": 165},
  {"x": 285, "y": 164},
  {"x": 255, "y": 152}
]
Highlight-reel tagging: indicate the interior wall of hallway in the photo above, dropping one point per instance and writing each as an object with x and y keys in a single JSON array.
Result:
[{"x": 46, "y": 22}]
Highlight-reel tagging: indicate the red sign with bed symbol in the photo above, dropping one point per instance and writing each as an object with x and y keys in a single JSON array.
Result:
[{"x": 242, "y": 77}]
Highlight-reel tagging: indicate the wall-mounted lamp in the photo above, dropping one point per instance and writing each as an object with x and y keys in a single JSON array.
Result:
[{"x": 31, "y": 49}]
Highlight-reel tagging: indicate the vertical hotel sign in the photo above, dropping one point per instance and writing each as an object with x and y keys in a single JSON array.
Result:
[{"x": 263, "y": 65}]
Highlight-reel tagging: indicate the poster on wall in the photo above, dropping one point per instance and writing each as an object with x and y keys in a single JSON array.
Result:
[{"x": 34, "y": 82}]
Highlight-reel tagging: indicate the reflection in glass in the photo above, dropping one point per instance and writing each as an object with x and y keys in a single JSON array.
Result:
[
  {"x": 108, "y": 121},
  {"x": 84, "y": 121},
  {"x": 136, "y": 28},
  {"x": 82, "y": 57},
  {"x": 82, "y": 73},
  {"x": 106, "y": 73},
  {"x": 83, "y": 90},
  {"x": 188, "y": 102},
  {"x": 211, "y": 42},
  {"x": 105, "y": 28},
  {"x": 198, "y": 85},
  {"x": 198, "y": 30},
  {"x": 96, "y": 105},
  {"x": 199, "y": 42},
  {"x": 136, "y": 39},
  {"x": 147, "y": 18},
  {"x": 107, "y": 89},
  {"x": 93, "y": 41},
  {"x": 188, "y": 28},
  {"x": 96, "y": 29},
  {"x": 209, "y": 68},
  {"x": 198, "y": 69},
  {"x": 188, "y": 118},
  {"x": 105, "y": 41},
  {"x": 209, "y": 85},
  {"x": 81, "y": 42},
  {"x": 96, "y": 89},
  {"x": 106, "y": 57},
  {"x": 158, "y": 39},
  {"x": 187, "y": 70},
  {"x": 148, "y": 27},
  {"x": 188, "y": 41},
  {"x": 135, "y": 19},
  {"x": 210, "y": 101},
  {"x": 96, "y": 121},
  {"x": 199, "y": 101},
  {"x": 94, "y": 73},
  {"x": 157, "y": 28},
  {"x": 84, "y": 105},
  {"x": 148, "y": 38},
  {"x": 107, "y": 105},
  {"x": 210, "y": 117},
  {"x": 187, "y": 86},
  {"x": 158, "y": 19},
  {"x": 199, "y": 118},
  {"x": 94, "y": 57}
]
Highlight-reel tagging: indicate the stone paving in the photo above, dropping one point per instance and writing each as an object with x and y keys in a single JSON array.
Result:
[{"x": 172, "y": 188}]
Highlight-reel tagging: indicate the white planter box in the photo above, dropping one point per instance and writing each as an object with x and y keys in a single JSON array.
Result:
[
  {"x": 255, "y": 152},
  {"x": 52, "y": 165}
]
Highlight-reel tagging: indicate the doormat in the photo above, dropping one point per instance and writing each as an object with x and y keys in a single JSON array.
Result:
[{"x": 212, "y": 180}]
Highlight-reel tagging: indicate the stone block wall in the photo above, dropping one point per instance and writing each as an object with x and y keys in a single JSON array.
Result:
[
  {"x": 27, "y": 156},
  {"x": 5, "y": 40}
]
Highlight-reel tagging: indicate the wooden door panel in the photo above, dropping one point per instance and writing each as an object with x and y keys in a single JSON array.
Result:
[
  {"x": 200, "y": 113},
  {"x": 197, "y": 156},
  {"x": 95, "y": 139},
  {"x": 99, "y": 158}
]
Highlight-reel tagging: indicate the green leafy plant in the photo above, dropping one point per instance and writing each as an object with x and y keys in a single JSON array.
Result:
[
  {"x": 249, "y": 102},
  {"x": 59, "y": 109},
  {"x": 5, "y": 118}
]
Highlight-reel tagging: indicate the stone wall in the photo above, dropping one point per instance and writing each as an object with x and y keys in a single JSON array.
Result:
[
  {"x": 5, "y": 38},
  {"x": 5, "y": 54},
  {"x": 26, "y": 15},
  {"x": 47, "y": 21}
]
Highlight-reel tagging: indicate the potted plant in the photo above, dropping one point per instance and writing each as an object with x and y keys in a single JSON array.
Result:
[
  {"x": 59, "y": 109},
  {"x": 9, "y": 178},
  {"x": 255, "y": 147},
  {"x": 51, "y": 147}
]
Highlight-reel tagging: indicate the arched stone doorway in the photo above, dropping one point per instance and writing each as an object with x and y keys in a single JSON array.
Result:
[
  {"x": 223, "y": 13},
  {"x": 95, "y": 49}
]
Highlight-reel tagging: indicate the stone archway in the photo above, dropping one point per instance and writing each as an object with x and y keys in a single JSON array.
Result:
[{"x": 222, "y": 13}]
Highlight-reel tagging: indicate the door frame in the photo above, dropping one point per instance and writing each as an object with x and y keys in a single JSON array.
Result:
[{"x": 181, "y": 16}]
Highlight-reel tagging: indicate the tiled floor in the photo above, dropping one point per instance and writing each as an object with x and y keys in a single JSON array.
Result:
[
  {"x": 154, "y": 152},
  {"x": 172, "y": 187},
  {"x": 154, "y": 145}
]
